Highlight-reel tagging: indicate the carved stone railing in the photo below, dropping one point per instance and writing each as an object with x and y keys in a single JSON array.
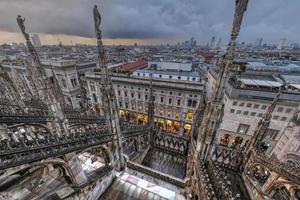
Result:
[
  {"x": 52, "y": 146},
  {"x": 171, "y": 143},
  {"x": 80, "y": 116},
  {"x": 291, "y": 173},
  {"x": 164, "y": 177},
  {"x": 134, "y": 131},
  {"x": 35, "y": 112}
]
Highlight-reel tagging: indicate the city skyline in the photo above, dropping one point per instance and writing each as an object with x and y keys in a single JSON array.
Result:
[
  {"x": 189, "y": 119},
  {"x": 161, "y": 22}
]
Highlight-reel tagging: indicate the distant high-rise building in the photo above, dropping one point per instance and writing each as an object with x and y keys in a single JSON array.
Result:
[
  {"x": 212, "y": 42},
  {"x": 256, "y": 42},
  {"x": 260, "y": 42},
  {"x": 193, "y": 42},
  {"x": 219, "y": 43},
  {"x": 281, "y": 44},
  {"x": 36, "y": 40}
]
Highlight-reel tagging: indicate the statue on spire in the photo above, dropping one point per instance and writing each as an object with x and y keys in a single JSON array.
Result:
[
  {"x": 97, "y": 20},
  {"x": 21, "y": 21}
]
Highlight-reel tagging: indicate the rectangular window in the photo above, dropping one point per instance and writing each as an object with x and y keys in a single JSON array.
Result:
[
  {"x": 146, "y": 97},
  {"x": 95, "y": 97},
  {"x": 119, "y": 92},
  {"x": 132, "y": 95},
  {"x": 245, "y": 113},
  {"x": 264, "y": 107},
  {"x": 189, "y": 104},
  {"x": 161, "y": 99},
  {"x": 178, "y": 102},
  {"x": 279, "y": 109},
  {"x": 284, "y": 119},
  {"x": 288, "y": 110},
  {"x": 125, "y": 94},
  {"x": 170, "y": 100},
  {"x": 234, "y": 103},
  {"x": 194, "y": 104},
  {"x": 231, "y": 110},
  {"x": 242, "y": 104},
  {"x": 259, "y": 115},
  {"x": 139, "y": 96},
  {"x": 253, "y": 113},
  {"x": 249, "y": 105},
  {"x": 238, "y": 112},
  {"x": 243, "y": 128},
  {"x": 275, "y": 117},
  {"x": 120, "y": 104},
  {"x": 272, "y": 133},
  {"x": 126, "y": 105},
  {"x": 256, "y": 106}
]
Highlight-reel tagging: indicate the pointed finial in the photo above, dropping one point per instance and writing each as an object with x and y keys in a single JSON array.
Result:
[
  {"x": 21, "y": 21},
  {"x": 97, "y": 20}
]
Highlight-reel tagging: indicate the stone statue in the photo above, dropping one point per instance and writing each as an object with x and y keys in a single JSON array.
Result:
[
  {"x": 97, "y": 20},
  {"x": 21, "y": 21}
]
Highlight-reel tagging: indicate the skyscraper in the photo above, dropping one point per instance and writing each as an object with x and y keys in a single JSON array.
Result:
[
  {"x": 281, "y": 44},
  {"x": 36, "y": 40},
  {"x": 212, "y": 42}
]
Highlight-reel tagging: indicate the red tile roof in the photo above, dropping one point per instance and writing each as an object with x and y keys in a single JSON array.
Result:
[{"x": 129, "y": 67}]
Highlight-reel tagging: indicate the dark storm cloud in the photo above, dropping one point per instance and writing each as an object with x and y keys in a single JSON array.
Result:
[{"x": 143, "y": 19}]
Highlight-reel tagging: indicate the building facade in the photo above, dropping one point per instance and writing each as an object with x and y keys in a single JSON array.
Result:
[
  {"x": 176, "y": 94},
  {"x": 247, "y": 97}
]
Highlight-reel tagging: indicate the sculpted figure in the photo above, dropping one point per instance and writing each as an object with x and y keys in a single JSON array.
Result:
[
  {"x": 21, "y": 21},
  {"x": 97, "y": 20}
]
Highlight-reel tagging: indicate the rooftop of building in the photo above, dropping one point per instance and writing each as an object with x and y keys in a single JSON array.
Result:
[
  {"x": 276, "y": 67},
  {"x": 166, "y": 72},
  {"x": 131, "y": 66}
]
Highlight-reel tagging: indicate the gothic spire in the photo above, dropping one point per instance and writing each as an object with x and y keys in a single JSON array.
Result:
[{"x": 108, "y": 94}]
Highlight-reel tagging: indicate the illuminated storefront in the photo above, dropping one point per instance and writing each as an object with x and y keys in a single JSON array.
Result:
[
  {"x": 225, "y": 138},
  {"x": 187, "y": 129},
  {"x": 167, "y": 125},
  {"x": 132, "y": 117},
  {"x": 189, "y": 116}
]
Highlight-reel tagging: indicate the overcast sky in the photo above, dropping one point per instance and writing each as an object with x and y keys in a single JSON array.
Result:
[{"x": 159, "y": 20}]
